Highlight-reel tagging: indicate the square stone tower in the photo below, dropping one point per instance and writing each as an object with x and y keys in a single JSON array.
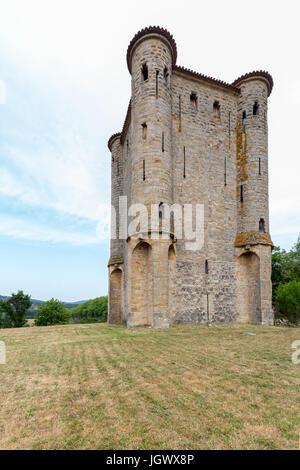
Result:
[{"x": 191, "y": 139}]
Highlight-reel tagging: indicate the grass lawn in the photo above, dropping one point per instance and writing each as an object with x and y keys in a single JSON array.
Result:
[{"x": 108, "y": 387}]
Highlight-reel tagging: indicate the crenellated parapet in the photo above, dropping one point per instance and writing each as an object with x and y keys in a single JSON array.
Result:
[
  {"x": 256, "y": 75},
  {"x": 152, "y": 32}
]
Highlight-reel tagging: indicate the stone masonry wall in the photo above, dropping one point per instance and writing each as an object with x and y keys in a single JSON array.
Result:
[
  {"x": 207, "y": 141},
  {"x": 201, "y": 144}
]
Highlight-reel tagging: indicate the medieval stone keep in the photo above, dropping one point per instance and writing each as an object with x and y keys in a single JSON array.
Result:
[{"x": 189, "y": 139}]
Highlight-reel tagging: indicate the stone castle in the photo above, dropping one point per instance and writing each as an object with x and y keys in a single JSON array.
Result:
[{"x": 189, "y": 138}]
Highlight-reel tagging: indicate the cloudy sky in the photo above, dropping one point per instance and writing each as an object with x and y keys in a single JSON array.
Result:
[{"x": 64, "y": 89}]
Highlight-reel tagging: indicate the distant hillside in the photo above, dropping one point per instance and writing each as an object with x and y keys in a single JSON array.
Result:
[
  {"x": 35, "y": 305},
  {"x": 79, "y": 302}
]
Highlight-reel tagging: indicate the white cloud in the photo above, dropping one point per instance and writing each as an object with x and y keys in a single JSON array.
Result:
[
  {"x": 66, "y": 178},
  {"x": 27, "y": 229}
]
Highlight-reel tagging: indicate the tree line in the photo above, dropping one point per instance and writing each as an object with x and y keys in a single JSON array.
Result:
[{"x": 13, "y": 312}]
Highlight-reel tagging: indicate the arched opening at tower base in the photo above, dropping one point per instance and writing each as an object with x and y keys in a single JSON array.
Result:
[
  {"x": 115, "y": 297},
  {"x": 141, "y": 286},
  {"x": 248, "y": 288}
]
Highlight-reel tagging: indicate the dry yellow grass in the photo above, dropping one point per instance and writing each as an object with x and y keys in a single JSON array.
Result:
[{"x": 106, "y": 387}]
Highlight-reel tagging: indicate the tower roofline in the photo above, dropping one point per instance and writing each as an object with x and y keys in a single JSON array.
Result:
[
  {"x": 121, "y": 135},
  {"x": 258, "y": 74},
  {"x": 205, "y": 78},
  {"x": 152, "y": 31},
  {"x": 113, "y": 138}
]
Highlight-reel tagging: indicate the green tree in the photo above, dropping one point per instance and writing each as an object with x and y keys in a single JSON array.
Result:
[
  {"x": 92, "y": 311},
  {"x": 293, "y": 262},
  {"x": 278, "y": 269},
  {"x": 14, "y": 310},
  {"x": 285, "y": 266},
  {"x": 52, "y": 312},
  {"x": 288, "y": 301},
  {"x": 5, "y": 321},
  {"x": 2, "y": 314}
]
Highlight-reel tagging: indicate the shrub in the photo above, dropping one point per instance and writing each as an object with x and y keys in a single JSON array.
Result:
[
  {"x": 52, "y": 312},
  {"x": 288, "y": 301}
]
